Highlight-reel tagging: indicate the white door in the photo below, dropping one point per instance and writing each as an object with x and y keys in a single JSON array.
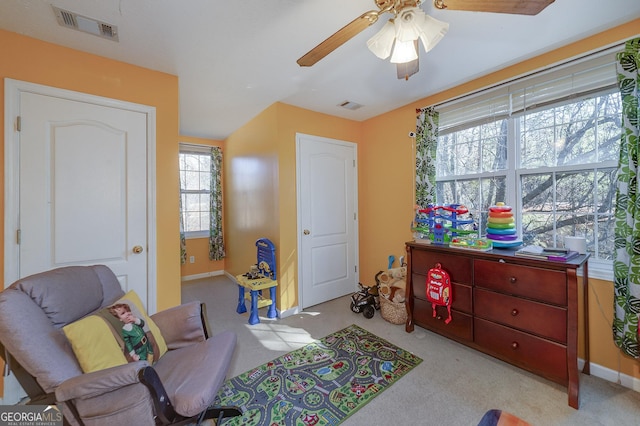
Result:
[
  {"x": 327, "y": 219},
  {"x": 81, "y": 187}
]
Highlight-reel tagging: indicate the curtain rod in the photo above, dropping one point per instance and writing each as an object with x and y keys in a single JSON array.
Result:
[{"x": 599, "y": 52}]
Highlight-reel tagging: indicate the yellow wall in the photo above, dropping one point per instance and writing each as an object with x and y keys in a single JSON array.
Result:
[
  {"x": 386, "y": 165},
  {"x": 38, "y": 62},
  {"x": 260, "y": 187},
  {"x": 199, "y": 247},
  {"x": 251, "y": 190}
]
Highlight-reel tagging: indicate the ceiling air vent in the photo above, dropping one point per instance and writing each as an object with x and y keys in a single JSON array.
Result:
[
  {"x": 88, "y": 25},
  {"x": 350, "y": 105}
]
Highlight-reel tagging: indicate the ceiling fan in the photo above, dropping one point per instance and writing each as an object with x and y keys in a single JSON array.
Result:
[{"x": 407, "y": 12}]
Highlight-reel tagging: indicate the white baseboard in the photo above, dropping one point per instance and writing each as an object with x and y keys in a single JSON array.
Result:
[
  {"x": 289, "y": 312},
  {"x": 614, "y": 376},
  {"x": 204, "y": 275}
]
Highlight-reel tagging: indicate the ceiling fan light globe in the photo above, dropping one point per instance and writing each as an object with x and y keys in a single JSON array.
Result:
[
  {"x": 432, "y": 31},
  {"x": 404, "y": 51},
  {"x": 382, "y": 42}
]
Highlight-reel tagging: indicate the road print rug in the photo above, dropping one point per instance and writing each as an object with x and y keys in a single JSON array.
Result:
[{"x": 321, "y": 383}]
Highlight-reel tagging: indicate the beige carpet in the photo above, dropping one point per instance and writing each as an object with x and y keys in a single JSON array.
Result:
[{"x": 454, "y": 385}]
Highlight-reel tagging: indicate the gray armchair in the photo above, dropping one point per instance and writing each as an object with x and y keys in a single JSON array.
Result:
[{"x": 178, "y": 389}]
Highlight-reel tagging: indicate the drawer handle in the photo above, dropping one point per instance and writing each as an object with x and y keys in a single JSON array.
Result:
[
  {"x": 514, "y": 312},
  {"x": 515, "y": 345},
  {"x": 513, "y": 280},
  {"x": 439, "y": 317}
]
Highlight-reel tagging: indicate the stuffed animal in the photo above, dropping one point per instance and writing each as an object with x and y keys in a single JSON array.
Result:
[
  {"x": 392, "y": 284},
  {"x": 397, "y": 294}
]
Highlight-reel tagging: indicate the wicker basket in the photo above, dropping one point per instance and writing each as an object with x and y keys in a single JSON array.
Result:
[{"x": 395, "y": 313}]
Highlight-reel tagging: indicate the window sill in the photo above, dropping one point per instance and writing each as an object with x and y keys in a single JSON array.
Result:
[
  {"x": 196, "y": 234},
  {"x": 601, "y": 270}
]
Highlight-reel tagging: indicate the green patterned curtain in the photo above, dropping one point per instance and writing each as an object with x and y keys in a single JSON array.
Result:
[
  {"x": 626, "y": 264},
  {"x": 426, "y": 142},
  {"x": 216, "y": 241},
  {"x": 183, "y": 239}
]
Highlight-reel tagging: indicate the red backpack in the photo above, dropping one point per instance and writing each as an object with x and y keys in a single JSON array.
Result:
[{"x": 439, "y": 289}]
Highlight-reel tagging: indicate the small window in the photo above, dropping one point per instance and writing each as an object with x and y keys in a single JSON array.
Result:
[{"x": 195, "y": 190}]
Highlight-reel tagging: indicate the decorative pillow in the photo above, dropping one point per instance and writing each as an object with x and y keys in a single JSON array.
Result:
[
  {"x": 94, "y": 344},
  {"x": 116, "y": 335}
]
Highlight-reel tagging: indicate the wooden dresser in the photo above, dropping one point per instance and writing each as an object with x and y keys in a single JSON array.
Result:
[{"x": 522, "y": 311}]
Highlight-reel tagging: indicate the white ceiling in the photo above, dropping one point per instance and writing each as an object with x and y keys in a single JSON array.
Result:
[{"x": 235, "y": 58}]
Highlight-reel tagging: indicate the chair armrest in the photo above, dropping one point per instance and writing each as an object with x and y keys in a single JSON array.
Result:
[
  {"x": 97, "y": 383},
  {"x": 182, "y": 325}
]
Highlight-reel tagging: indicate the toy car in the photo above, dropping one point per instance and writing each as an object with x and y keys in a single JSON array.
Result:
[{"x": 366, "y": 300}]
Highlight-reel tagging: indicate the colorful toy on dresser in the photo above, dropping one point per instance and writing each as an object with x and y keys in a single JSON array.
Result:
[{"x": 501, "y": 227}]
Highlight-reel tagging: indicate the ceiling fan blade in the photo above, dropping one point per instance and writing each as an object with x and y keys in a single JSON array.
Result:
[
  {"x": 343, "y": 35},
  {"x": 518, "y": 7}
]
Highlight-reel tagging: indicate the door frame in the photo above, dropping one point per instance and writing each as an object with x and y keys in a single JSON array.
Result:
[
  {"x": 356, "y": 242},
  {"x": 13, "y": 89}
]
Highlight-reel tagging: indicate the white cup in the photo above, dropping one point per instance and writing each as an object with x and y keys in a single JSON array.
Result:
[{"x": 578, "y": 244}]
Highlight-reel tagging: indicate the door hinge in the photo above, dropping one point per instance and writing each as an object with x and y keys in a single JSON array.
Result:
[
  {"x": 354, "y": 216},
  {"x": 18, "y": 236},
  {"x": 354, "y": 163},
  {"x": 355, "y": 268},
  {"x": 18, "y": 123}
]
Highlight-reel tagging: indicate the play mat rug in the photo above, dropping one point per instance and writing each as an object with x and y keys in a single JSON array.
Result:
[{"x": 321, "y": 383}]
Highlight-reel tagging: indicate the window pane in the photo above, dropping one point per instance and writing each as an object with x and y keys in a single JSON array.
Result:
[
  {"x": 604, "y": 248},
  {"x": 538, "y": 229},
  {"x": 493, "y": 191},
  {"x": 205, "y": 181},
  {"x": 445, "y": 190},
  {"x": 191, "y": 181},
  {"x": 537, "y": 143},
  {"x": 494, "y": 146},
  {"x": 537, "y": 193},
  {"x": 574, "y": 192},
  {"x": 192, "y": 222}
]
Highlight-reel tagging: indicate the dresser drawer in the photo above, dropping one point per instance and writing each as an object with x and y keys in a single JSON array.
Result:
[
  {"x": 534, "y": 317},
  {"x": 461, "y": 294},
  {"x": 458, "y": 267},
  {"x": 460, "y": 327},
  {"x": 535, "y": 283},
  {"x": 530, "y": 352}
]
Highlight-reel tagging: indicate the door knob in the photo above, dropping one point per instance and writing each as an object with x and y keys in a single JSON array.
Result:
[
  {"x": 137, "y": 249},
  {"x": 306, "y": 232}
]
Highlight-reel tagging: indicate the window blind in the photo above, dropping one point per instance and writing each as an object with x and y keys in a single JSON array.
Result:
[
  {"x": 566, "y": 81},
  {"x": 194, "y": 149}
]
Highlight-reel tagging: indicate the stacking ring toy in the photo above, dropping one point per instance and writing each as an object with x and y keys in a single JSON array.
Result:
[
  {"x": 492, "y": 225},
  {"x": 493, "y": 231},
  {"x": 501, "y": 219},
  {"x": 500, "y": 214},
  {"x": 502, "y": 237}
]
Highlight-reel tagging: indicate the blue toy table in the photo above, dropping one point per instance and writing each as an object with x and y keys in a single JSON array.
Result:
[{"x": 265, "y": 278}]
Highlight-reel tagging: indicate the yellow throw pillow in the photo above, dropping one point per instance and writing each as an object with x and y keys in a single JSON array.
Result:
[
  {"x": 118, "y": 334},
  {"x": 94, "y": 344}
]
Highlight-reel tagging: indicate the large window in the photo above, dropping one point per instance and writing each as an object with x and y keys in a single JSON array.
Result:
[
  {"x": 195, "y": 190},
  {"x": 548, "y": 146}
]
